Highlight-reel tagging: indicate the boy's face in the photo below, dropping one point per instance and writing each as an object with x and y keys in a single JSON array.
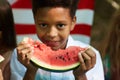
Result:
[{"x": 53, "y": 26}]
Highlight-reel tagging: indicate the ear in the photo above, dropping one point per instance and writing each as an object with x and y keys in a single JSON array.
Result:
[{"x": 73, "y": 23}]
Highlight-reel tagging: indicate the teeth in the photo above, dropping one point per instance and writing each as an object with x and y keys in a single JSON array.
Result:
[{"x": 1, "y": 58}]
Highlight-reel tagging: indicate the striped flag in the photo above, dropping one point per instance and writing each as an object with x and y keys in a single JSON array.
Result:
[
  {"x": 24, "y": 23},
  {"x": 85, "y": 15}
]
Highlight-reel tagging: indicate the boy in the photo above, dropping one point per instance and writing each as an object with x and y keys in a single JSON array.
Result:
[{"x": 54, "y": 20}]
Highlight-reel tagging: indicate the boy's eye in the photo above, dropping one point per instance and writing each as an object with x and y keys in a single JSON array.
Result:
[
  {"x": 61, "y": 25},
  {"x": 43, "y": 25}
]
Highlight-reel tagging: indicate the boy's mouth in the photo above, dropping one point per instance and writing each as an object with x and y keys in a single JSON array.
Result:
[{"x": 52, "y": 43}]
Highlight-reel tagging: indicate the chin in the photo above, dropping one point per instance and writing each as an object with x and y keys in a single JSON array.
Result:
[{"x": 55, "y": 48}]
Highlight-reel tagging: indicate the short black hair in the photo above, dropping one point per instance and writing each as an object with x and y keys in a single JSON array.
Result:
[{"x": 70, "y": 4}]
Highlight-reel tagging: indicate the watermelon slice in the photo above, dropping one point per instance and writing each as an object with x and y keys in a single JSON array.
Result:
[
  {"x": 1, "y": 58},
  {"x": 57, "y": 61}
]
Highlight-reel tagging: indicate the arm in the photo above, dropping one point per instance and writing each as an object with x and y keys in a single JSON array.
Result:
[
  {"x": 81, "y": 77},
  {"x": 17, "y": 69},
  {"x": 21, "y": 67},
  {"x": 79, "y": 74},
  {"x": 24, "y": 52},
  {"x": 30, "y": 74},
  {"x": 95, "y": 73},
  {"x": 87, "y": 60}
]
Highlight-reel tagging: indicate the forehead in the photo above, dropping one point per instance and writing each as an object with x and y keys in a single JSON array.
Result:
[{"x": 57, "y": 12}]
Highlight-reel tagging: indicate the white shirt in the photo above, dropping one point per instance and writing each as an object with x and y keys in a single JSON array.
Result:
[{"x": 18, "y": 70}]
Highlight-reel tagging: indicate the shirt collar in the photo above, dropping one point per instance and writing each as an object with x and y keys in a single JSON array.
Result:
[{"x": 70, "y": 42}]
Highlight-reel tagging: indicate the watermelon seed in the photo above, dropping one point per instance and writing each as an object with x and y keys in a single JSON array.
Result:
[
  {"x": 56, "y": 57},
  {"x": 59, "y": 57},
  {"x": 67, "y": 53},
  {"x": 63, "y": 59},
  {"x": 68, "y": 59},
  {"x": 67, "y": 56}
]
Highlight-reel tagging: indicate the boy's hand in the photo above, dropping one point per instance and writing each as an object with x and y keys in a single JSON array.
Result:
[
  {"x": 87, "y": 60},
  {"x": 24, "y": 52}
]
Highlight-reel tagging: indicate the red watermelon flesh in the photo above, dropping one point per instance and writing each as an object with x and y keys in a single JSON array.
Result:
[{"x": 57, "y": 61}]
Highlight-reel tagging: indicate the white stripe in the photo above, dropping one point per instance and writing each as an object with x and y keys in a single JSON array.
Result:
[
  {"x": 12, "y": 1},
  {"x": 85, "y": 16},
  {"x": 25, "y": 16},
  {"x": 80, "y": 37}
]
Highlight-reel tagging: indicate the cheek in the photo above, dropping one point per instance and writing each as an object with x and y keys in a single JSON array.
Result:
[
  {"x": 67, "y": 31},
  {"x": 40, "y": 33},
  {"x": 40, "y": 36},
  {"x": 65, "y": 34}
]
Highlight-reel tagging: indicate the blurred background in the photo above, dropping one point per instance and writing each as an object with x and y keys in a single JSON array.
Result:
[{"x": 104, "y": 10}]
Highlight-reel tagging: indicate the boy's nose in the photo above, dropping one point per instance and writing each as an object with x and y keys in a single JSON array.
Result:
[{"x": 52, "y": 32}]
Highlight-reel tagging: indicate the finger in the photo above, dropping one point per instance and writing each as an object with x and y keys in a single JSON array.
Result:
[
  {"x": 23, "y": 49},
  {"x": 30, "y": 53},
  {"x": 28, "y": 56},
  {"x": 27, "y": 60},
  {"x": 23, "y": 45},
  {"x": 23, "y": 54},
  {"x": 92, "y": 54},
  {"x": 87, "y": 60},
  {"x": 82, "y": 63}
]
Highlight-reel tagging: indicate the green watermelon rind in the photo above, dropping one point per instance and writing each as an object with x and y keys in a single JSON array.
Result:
[{"x": 49, "y": 67}]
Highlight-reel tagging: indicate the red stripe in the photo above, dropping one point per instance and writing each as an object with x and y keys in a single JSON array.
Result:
[
  {"x": 25, "y": 29},
  {"x": 86, "y": 4},
  {"x": 30, "y": 29},
  {"x": 82, "y": 29},
  {"x": 22, "y": 4},
  {"x": 89, "y": 4}
]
